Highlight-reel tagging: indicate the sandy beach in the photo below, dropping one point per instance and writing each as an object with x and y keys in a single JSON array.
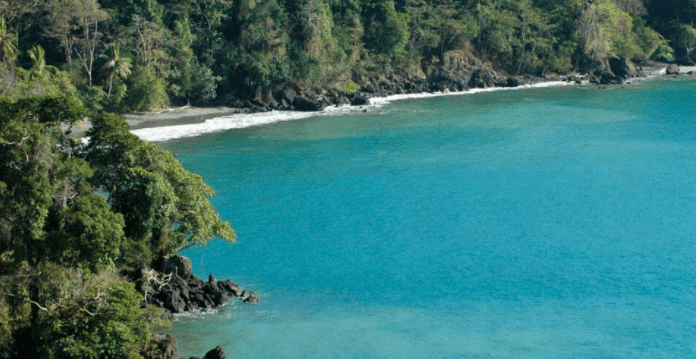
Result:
[{"x": 177, "y": 116}]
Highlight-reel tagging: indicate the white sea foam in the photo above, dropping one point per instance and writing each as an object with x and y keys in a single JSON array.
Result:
[
  {"x": 238, "y": 121},
  {"x": 381, "y": 101},
  {"x": 195, "y": 314}
]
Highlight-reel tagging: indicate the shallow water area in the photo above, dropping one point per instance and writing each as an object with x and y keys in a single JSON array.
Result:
[{"x": 542, "y": 223}]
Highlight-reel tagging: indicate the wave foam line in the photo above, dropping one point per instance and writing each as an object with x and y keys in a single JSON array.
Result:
[
  {"x": 381, "y": 101},
  {"x": 218, "y": 124}
]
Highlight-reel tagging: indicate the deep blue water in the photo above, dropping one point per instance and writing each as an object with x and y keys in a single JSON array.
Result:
[{"x": 540, "y": 223}]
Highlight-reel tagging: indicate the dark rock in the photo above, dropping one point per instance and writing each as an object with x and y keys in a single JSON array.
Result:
[
  {"x": 216, "y": 353},
  {"x": 574, "y": 78},
  {"x": 180, "y": 266},
  {"x": 622, "y": 68},
  {"x": 481, "y": 79},
  {"x": 303, "y": 103},
  {"x": 606, "y": 78},
  {"x": 288, "y": 95},
  {"x": 342, "y": 100},
  {"x": 250, "y": 297},
  {"x": 672, "y": 70},
  {"x": 360, "y": 101},
  {"x": 264, "y": 98},
  {"x": 510, "y": 82},
  {"x": 176, "y": 295},
  {"x": 231, "y": 288},
  {"x": 173, "y": 301},
  {"x": 166, "y": 347}
]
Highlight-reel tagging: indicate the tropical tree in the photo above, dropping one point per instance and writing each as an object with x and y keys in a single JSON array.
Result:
[
  {"x": 8, "y": 43},
  {"x": 76, "y": 26},
  {"x": 165, "y": 207},
  {"x": 13, "y": 12},
  {"x": 686, "y": 37},
  {"x": 39, "y": 69},
  {"x": 116, "y": 67}
]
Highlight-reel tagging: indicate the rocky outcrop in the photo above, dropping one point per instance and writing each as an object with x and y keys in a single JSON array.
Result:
[
  {"x": 181, "y": 266},
  {"x": 605, "y": 78},
  {"x": 672, "y": 70},
  {"x": 622, "y": 68},
  {"x": 173, "y": 287},
  {"x": 306, "y": 103},
  {"x": 216, "y": 353},
  {"x": 360, "y": 100},
  {"x": 614, "y": 71},
  {"x": 482, "y": 79}
]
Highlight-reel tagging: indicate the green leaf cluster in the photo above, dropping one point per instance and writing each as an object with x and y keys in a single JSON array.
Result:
[{"x": 72, "y": 215}]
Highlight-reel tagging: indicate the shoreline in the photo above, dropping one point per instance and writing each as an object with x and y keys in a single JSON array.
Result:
[
  {"x": 178, "y": 116},
  {"x": 188, "y": 121},
  {"x": 150, "y": 127}
]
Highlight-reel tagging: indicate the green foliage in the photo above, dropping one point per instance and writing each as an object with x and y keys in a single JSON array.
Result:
[
  {"x": 686, "y": 37},
  {"x": 92, "y": 317},
  {"x": 607, "y": 30},
  {"x": 651, "y": 43},
  {"x": 86, "y": 232},
  {"x": 116, "y": 67},
  {"x": 163, "y": 205},
  {"x": 521, "y": 37},
  {"x": 147, "y": 90},
  {"x": 70, "y": 213},
  {"x": 350, "y": 87},
  {"x": 8, "y": 43},
  {"x": 198, "y": 50},
  {"x": 386, "y": 30}
]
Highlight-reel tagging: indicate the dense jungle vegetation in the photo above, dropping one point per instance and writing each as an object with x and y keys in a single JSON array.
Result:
[
  {"x": 125, "y": 55},
  {"x": 74, "y": 216}
]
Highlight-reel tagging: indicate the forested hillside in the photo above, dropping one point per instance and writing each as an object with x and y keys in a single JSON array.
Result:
[
  {"x": 144, "y": 54},
  {"x": 76, "y": 218}
]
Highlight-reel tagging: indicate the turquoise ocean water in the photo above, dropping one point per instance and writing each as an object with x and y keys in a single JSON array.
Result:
[{"x": 541, "y": 223}]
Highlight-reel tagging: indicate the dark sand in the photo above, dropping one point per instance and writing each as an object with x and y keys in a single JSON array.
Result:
[{"x": 177, "y": 116}]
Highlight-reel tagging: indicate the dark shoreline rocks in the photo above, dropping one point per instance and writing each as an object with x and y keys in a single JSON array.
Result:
[
  {"x": 172, "y": 286},
  {"x": 454, "y": 76}
]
